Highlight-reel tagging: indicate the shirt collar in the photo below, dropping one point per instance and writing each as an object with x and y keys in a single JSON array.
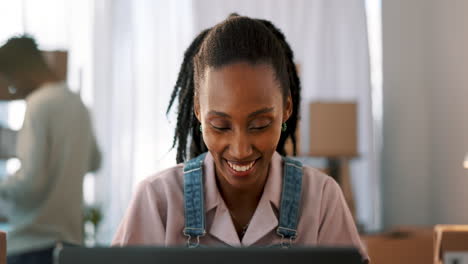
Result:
[
  {"x": 264, "y": 219},
  {"x": 212, "y": 195},
  {"x": 274, "y": 184}
]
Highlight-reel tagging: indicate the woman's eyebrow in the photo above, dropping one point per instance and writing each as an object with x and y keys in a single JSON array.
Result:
[
  {"x": 258, "y": 112},
  {"x": 212, "y": 112},
  {"x": 261, "y": 111}
]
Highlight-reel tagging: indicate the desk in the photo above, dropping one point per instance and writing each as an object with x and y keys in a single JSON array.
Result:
[{"x": 2, "y": 248}]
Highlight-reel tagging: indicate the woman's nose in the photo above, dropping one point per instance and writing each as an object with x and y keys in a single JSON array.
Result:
[{"x": 240, "y": 147}]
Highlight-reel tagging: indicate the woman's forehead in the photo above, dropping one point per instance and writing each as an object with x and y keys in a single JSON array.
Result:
[{"x": 240, "y": 84}]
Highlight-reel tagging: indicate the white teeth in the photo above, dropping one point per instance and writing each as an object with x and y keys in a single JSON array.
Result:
[{"x": 241, "y": 168}]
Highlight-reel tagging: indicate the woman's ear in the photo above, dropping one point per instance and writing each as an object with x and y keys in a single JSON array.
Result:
[
  {"x": 196, "y": 109},
  {"x": 288, "y": 108}
]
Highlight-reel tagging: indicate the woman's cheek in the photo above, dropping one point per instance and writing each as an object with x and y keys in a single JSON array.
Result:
[
  {"x": 269, "y": 140},
  {"x": 213, "y": 140}
]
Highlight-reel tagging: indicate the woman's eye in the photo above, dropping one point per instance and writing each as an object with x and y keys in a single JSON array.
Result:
[
  {"x": 219, "y": 124},
  {"x": 260, "y": 127},
  {"x": 220, "y": 128}
]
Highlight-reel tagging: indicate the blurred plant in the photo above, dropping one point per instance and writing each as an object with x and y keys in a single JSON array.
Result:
[
  {"x": 92, "y": 214},
  {"x": 92, "y": 217}
]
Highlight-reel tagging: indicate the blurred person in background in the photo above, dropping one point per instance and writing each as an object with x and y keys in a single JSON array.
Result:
[{"x": 56, "y": 147}]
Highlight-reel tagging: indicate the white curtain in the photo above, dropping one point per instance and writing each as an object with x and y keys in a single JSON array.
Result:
[
  {"x": 330, "y": 42},
  {"x": 138, "y": 47}
]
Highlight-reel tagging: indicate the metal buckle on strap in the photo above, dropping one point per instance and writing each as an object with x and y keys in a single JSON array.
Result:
[
  {"x": 189, "y": 242},
  {"x": 286, "y": 243}
]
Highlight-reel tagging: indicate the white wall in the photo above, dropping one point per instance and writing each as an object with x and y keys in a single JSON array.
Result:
[
  {"x": 448, "y": 77},
  {"x": 405, "y": 172},
  {"x": 425, "y": 61}
]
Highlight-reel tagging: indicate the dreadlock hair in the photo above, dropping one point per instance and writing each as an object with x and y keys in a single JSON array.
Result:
[
  {"x": 235, "y": 39},
  {"x": 21, "y": 54}
]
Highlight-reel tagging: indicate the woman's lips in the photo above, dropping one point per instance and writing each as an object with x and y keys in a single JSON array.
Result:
[{"x": 241, "y": 169}]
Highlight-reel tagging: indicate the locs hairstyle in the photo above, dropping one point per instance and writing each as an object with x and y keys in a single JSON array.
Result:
[{"x": 235, "y": 39}]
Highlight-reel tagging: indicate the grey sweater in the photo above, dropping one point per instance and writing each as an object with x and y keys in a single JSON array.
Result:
[{"x": 56, "y": 147}]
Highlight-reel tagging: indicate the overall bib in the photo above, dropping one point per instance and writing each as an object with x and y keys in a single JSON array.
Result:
[{"x": 195, "y": 209}]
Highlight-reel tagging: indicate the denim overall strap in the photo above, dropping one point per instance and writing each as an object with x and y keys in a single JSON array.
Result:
[
  {"x": 194, "y": 200},
  {"x": 290, "y": 201}
]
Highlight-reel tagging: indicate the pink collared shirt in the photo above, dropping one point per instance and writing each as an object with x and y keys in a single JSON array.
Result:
[{"x": 156, "y": 213}]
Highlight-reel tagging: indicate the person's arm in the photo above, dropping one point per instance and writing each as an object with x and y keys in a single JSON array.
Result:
[
  {"x": 337, "y": 227},
  {"x": 31, "y": 179},
  {"x": 7, "y": 143},
  {"x": 95, "y": 157}
]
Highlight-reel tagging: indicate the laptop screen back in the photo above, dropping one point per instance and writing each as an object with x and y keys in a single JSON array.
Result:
[{"x": 151, "y": 255}]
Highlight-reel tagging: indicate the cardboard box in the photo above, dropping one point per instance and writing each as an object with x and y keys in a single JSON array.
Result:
[
  {"x": 449, "y": 238},
  {"x": 333, "y": 129},
  {"x": 2, "y": 247},
  {"x": 57, "y": 61},
  {"x": 407, "y": 245}
]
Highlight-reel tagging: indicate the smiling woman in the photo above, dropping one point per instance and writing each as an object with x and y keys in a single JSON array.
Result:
[
  {"x": 238, "y": 96},
  {"x": 241, "y": 110}
]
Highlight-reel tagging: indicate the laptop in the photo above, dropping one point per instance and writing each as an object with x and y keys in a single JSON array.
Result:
[{"x": 208, "y": 255}]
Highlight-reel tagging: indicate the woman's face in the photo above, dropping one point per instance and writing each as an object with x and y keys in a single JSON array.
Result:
[{"x": 241, "y": 109}]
